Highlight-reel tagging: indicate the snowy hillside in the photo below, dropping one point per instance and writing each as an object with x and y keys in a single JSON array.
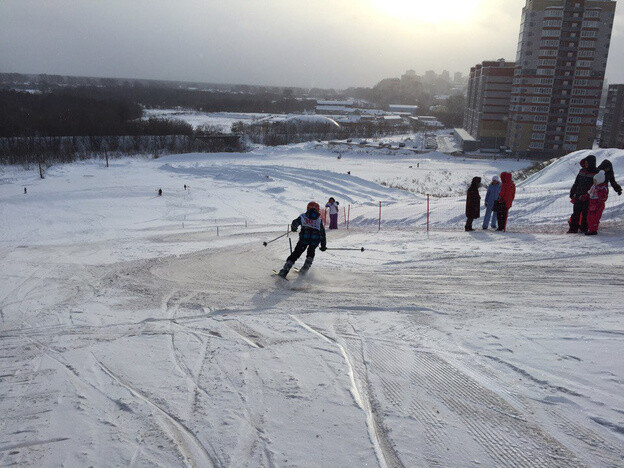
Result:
[{"x": 138, "y": 329}]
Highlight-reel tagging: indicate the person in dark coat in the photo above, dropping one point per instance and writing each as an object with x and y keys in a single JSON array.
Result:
[
  {"x": 579, "y": 196},
  {"x": 473, "y": 203},
  {"x": 506, "y": 197},
  {"x": 607, "y": 167}
]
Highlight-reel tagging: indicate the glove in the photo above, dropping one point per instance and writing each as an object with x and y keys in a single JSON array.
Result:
[
  {"x": 323, "y": 248},
  {"x": 572, "y": 200},
  {"x": 619, "y": 192},
  {"x": 293, "y": 228}
]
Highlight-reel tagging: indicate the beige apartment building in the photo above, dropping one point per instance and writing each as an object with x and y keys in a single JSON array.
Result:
[
  {"x": 487, "y": 103},
  {"x": 560, "y": 65}
]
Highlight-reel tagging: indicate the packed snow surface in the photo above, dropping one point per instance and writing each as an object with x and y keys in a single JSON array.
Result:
[{"x": 139, "y": 329}]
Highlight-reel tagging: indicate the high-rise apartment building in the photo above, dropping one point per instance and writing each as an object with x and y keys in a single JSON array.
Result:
[
  {"x": 487, "y": 104},
  {"x": 560, "y": 66},
  {"x": 612, "y": 135}
]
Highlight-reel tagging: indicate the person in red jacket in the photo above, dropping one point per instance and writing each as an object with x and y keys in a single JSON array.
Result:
[
  {"x": 505, "y": 200},
  {"x": 598, "y": 195}
]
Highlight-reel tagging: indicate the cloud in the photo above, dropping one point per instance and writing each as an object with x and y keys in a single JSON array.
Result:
[{"x": 324, "y": 43}]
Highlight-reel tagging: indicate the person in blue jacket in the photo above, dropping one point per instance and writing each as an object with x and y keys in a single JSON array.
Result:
[
  {"x": 312, "y": 234},
  {"x": 490, "y": 197}
]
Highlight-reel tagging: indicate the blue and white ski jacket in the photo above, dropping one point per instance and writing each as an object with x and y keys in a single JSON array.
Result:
[{"x": 312, "y": 230}]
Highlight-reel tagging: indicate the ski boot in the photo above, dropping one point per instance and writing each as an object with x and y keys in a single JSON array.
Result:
[
  {"x": 306, "y": 265},
  {"x": 284, "y": 271}
]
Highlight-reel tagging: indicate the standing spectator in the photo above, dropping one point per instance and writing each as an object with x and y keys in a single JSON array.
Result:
[
  {"x": 473, "y": 203},
  {"x": 578, "y": 194},
  {"x": 598, "y": 195},
  {"x": 492, "y": 195},
  {"x": 332, "y": 204},
  {"x": 607, "y": 167},
  {"x": 505, "y": 200}
]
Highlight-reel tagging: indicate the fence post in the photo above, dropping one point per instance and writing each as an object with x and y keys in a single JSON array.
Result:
[
  {"x": 427, "y": 213},
  {"x": 344, "y": 213},
  {"x": 348, "y": 216},
  {"x": 380, "y": 216},
  {"x": 217, "y": 231}
]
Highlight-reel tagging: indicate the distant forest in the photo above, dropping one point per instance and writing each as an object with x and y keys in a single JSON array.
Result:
[{"x": 115, "y": 110}]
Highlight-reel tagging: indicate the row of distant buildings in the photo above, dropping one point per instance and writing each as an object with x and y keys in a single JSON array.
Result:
[{"x": 546, "y": 103}]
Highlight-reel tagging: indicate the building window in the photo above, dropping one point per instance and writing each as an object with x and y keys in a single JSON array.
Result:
[
  {"x": 555, "y": 33},
  {"x": 546, "y": 62},
  {"x": 549, "y": 43},
  {"x": 588, "y": 33},
  {"x": 539, "y": 128}
]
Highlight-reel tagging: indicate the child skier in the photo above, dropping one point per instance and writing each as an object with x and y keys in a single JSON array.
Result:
[
  {"x": 332, "y": 204},
  {"x": 598, "y": 194},
  {"x": 312, "y": 234}
]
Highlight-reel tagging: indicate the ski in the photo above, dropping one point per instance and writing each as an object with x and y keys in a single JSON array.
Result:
[{"x": 276, "y": 273}]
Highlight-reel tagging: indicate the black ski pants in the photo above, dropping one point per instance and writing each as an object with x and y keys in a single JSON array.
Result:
[
  {"x": 299, "y": 249},
  {"x": 581, "y": 209},
  {"x": 501, "y": 216}
]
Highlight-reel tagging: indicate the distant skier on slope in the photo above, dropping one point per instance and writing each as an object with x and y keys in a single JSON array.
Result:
[{"x": 312, "y": 234}]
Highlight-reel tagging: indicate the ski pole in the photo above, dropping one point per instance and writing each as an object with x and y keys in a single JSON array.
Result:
[
  {"x": 361, "y": 249},
  {"x": 265, "y": 243}
]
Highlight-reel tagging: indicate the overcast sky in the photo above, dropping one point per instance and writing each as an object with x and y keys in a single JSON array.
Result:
[{"x": 321, "y": 43}]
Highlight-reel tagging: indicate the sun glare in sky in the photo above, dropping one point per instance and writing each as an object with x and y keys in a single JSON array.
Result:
[{"x": 429, "y": 11}]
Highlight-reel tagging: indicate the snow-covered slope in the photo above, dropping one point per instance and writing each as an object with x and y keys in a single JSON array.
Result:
[
  {"x": 132, "y": 334},
  {"x": 561, "y": 173}
]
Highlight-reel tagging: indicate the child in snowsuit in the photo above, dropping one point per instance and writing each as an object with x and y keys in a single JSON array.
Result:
[
  {"x": 607, "y": 167},
  {"x": 598, "y": 195},
  {"x": 491, "y": 196},
  {"x": 578, "y": 194},
  {"x": 473, "y": 203},
  {"x": 505, "y": 200},
  {"x": 332, "y": 204},
  {"x": 312, "y": 234}
]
